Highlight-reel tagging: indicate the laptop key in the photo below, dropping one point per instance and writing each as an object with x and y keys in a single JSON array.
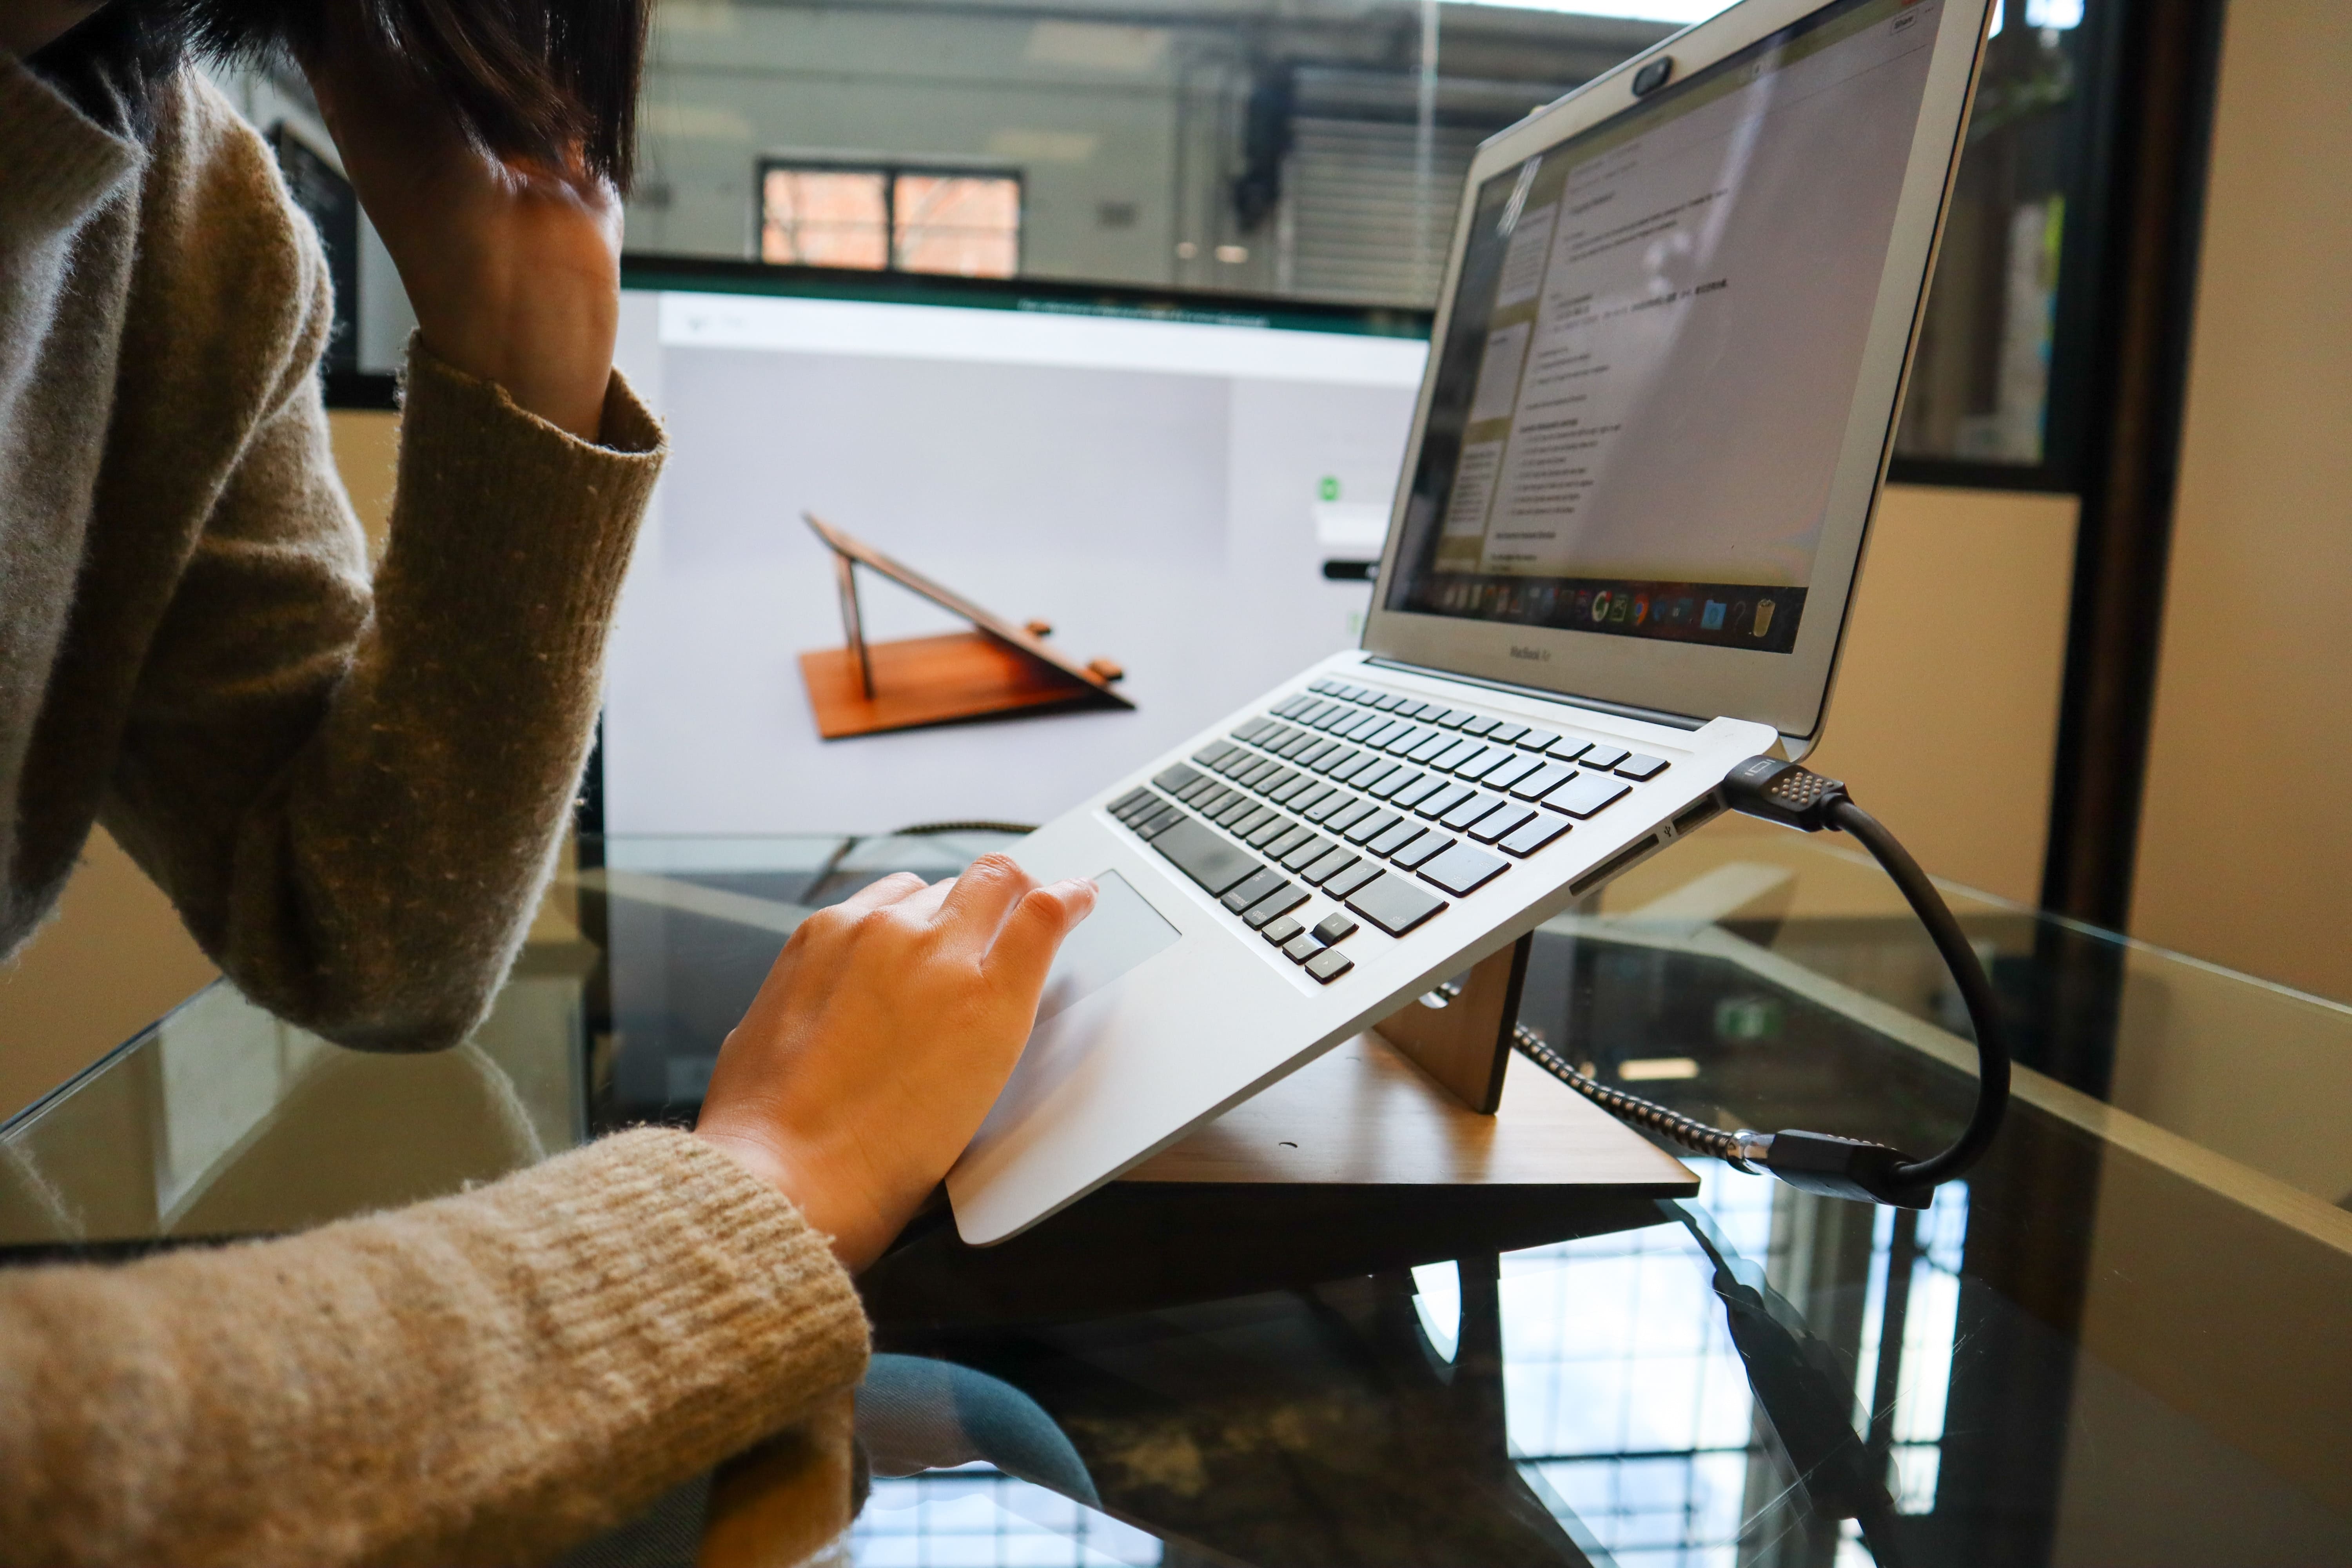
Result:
[
  {"x": 1604, "y": 755},
  {"x": 1241, "y": 806},
  {"x": 1511, "y": 772},
  {"x": 1349, "y": 880},
  {"x": 1254, "y": 728},
  {"x": 1158, "y": 822},
  {"x": 1456, "y": 754},
  {"x": 1130, "y": 800},
  {"x": 1299, "y": 746},
  {"x": 1306, "y": 853},
  {"x": 1412, "y": 795},
  {"x": 1176, "y": 778},
  {"x": 1262, "y": 881},
  {"x": 1402, "y": 745},
  {"x": 1475, "y": 725},
  {"x": 1291, "y": 839},
  {"x": 1469, "y": 811},
  {"x": 1463, "y": 870},
  {"x": 1391, "y": 703},
  {"x": 1329, "y": 965},
  {"x": 1281, "y": 930},
  {"x": 1568, "y": 748},
  {"x": 1207, "y": 857},
  {"x": 1274, "y": 906},
  {"x": 1444, "y": 800},
  {"x": 1403, "y": 779},
  {"x": 1266, "y": 832},
  {"x": 1504, "y": 733},
  {"x": 1210, "y": 756},
  {"x": 1325, "y": 810},
  {"x": 1540, "y": 830},
  {"x": 1536, "y": 741},
  {"x": 1329, "y": 865},
  {"x": 1549, "y": 776},
  {"x": 1342, "y": 757},
  {"x": 1258, "y": 817},
  {"x": 1390, "y": 840},
  {"x": 1371, "y": 826},
  {"x": 1454, "y": 717},
  {"x": 1344, "y": 819},
  {"x": 1639, "y": 766},
  {"x": 1372, "y": 773},
  {"x": 1301, "y": 948},
  {"x": 1334, "y": 926},
  {"x": 1393, "y": 904},
  {"x": 1496, "y": 824},
  {"x": 1475, "y": 770},
  {"x": 1587, "y": 794},
  {"x": 1432, "y": 747},
  {"x": 1423, "y": 850}
]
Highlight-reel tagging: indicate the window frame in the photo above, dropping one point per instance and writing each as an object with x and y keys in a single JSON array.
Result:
[{"x": 890, "y": 170}]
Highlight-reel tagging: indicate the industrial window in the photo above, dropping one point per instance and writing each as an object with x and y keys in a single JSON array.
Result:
[{"x": 960, "y": 222}]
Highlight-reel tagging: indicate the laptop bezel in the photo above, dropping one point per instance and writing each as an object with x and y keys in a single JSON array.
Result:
[{"x": 1684, "y": 681}]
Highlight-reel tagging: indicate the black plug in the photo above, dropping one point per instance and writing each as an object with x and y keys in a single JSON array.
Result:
[
  {"x": 1784, "y": 793},
  {"x": 1838, "y": 1167}
]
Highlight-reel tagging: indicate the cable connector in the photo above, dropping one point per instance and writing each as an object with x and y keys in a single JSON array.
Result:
[
  {"x": 1784, "y": 793},
  {"x": 1843, "y": 1168}
]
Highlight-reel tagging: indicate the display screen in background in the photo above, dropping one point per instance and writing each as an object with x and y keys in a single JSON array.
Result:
[
  {"x": 1166, "y": 493},
  {"x": 1656, "y": 341}
]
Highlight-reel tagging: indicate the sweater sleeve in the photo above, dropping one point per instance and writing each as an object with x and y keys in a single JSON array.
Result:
[
  {"x": 352, "y": 786},
  {"x": 482, "y": 1379}
]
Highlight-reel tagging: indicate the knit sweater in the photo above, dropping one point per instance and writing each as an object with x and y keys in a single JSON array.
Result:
[{"x": 352, "y": 788}]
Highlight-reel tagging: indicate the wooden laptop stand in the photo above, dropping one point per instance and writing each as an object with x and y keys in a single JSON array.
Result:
[
  {"x": 995, "y": 670},
  {"x": 1411, "y": 1143}
]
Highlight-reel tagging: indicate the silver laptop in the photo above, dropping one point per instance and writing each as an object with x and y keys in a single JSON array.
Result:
[{"x": 1667, "y": 363}]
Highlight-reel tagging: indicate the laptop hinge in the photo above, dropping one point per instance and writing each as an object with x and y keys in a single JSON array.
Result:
[{"x": 1623, "y": 710}]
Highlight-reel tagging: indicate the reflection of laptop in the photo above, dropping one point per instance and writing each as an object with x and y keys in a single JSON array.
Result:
[{"x": 1673, "y": 339}]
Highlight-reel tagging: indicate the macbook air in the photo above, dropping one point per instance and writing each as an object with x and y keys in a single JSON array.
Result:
[{"x": 1669, "y": 351}]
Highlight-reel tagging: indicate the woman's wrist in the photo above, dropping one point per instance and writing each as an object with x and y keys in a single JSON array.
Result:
[{"x": 847, "y": 1227}]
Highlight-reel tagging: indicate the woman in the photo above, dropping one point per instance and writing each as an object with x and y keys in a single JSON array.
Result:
[{"x": 351, "y": 789}]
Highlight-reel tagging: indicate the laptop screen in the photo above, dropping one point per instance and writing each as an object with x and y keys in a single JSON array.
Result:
[{"x": 1657, "y": 337}]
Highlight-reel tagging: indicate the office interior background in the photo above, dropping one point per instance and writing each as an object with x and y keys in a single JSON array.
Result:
[{"x": 2095, "y": 661}]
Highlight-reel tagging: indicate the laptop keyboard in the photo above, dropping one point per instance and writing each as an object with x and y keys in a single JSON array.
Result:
[{"x": 1392, "y": 807}]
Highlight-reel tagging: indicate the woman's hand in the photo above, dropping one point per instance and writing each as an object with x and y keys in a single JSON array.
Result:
[
  {"x": 514, "y": 269},
  {"x": 879, "y": 1040}
]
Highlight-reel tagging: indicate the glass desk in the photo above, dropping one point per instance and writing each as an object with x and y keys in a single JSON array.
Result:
[{"x": 2122, "y": 1341}]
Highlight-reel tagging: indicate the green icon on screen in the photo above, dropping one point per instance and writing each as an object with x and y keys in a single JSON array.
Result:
[{"x": 1329, "y": 488}]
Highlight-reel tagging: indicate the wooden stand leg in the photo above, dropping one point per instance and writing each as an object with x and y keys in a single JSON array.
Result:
[{"x": 1463, "y": 1041}]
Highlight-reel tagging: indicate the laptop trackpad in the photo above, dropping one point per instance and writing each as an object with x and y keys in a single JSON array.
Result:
[{"x": 1122, "y": 933}]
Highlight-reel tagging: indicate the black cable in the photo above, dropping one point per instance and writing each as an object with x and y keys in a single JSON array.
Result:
[
  {"x": 1820, "y": 1161},
  {"x": 1976, "y": 992}
]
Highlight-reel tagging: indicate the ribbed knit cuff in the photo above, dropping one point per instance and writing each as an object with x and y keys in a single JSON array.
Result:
[
  {"x": 656, "y": 1252},
  {"x": 60, "y": 162},
  {"x": 494, "y": 499}
]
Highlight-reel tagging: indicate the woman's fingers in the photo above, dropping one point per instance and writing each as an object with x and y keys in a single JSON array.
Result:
[
  {"x": 890, "y": 890},
  {"x": 1034, "y": 933},
  {"x": 976, "y": 906}
]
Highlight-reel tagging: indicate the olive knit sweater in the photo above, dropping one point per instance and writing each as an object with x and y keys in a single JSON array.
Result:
[{"x": 351, "y": 789}]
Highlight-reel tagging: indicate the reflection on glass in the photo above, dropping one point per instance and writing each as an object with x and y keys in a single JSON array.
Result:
[
  {"x": 1980, "y": 387},
  {"x": 968, "y": 225},
  {"x": 979, "y": 1517}
]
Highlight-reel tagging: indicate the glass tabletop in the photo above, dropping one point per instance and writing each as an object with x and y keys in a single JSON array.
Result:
[{"x": 2119, "y": 1341}]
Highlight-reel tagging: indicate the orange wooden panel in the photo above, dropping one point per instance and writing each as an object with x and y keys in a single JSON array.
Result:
[{"x": 934, "y": 680}]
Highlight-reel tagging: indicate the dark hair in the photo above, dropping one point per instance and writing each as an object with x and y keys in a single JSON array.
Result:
[{"x": 526, "y": 78}]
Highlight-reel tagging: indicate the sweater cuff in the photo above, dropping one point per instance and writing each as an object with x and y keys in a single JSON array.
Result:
[
  {"x": 659, "y": 1240},
  {"x": 507, "y": 497}
]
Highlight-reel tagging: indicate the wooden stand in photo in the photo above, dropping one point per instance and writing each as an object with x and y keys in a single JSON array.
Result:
[{"x": 995, "y": 670}]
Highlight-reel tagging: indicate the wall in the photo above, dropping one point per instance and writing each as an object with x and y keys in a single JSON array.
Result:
[
  {"x": 1945, "y": 717},
  {"x": 2245, "y": 853}
]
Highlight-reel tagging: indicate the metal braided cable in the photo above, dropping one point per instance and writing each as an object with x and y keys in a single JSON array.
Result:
[{"x": 1690, "y": 1133}]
